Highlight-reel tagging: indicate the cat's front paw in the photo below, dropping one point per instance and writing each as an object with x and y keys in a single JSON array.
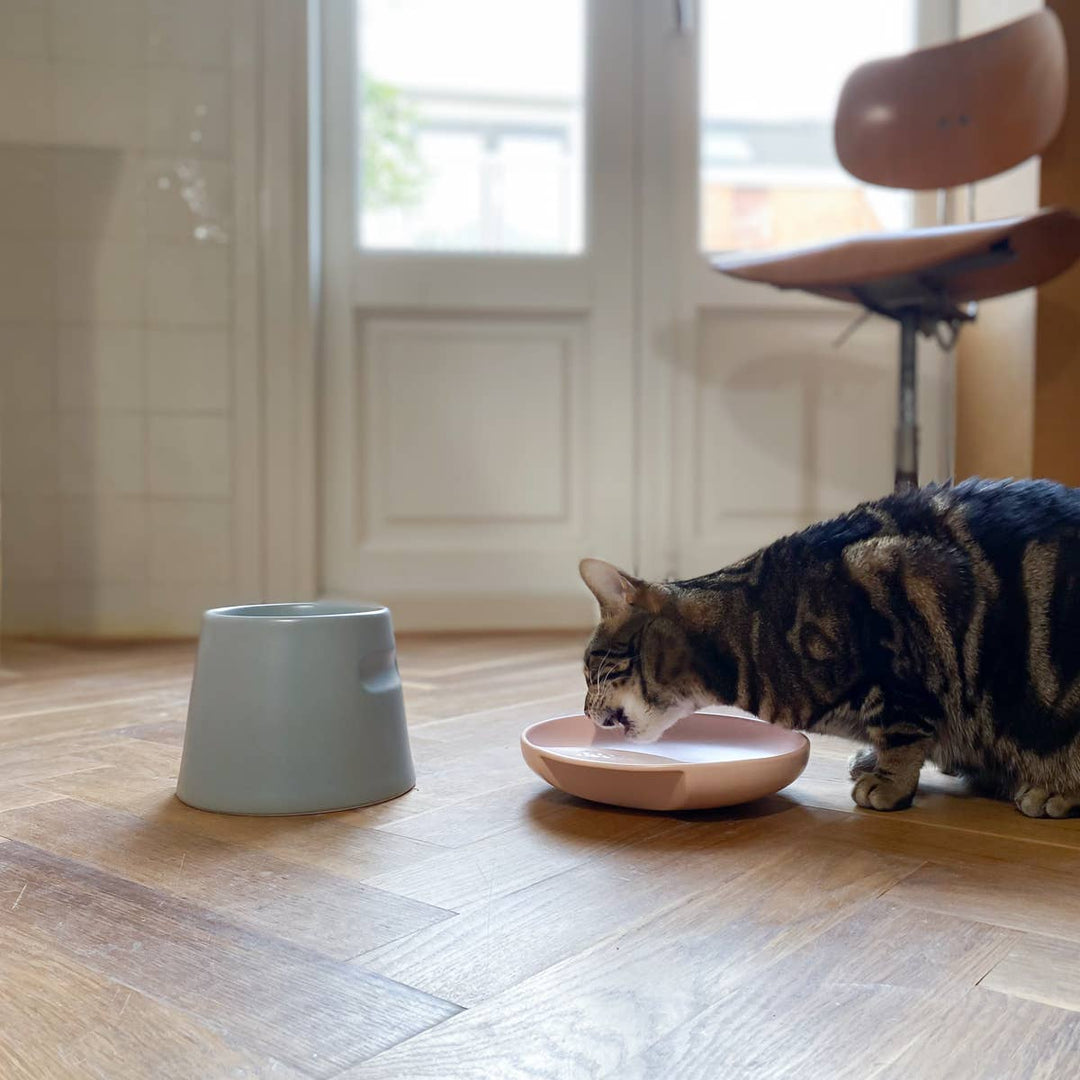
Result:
[
  {"x": 875, "y": 792},
  {"x": 1034, "y": 801}
]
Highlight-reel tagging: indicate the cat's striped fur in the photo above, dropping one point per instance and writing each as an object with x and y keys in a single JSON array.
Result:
[{"x": 943, "y": 624}]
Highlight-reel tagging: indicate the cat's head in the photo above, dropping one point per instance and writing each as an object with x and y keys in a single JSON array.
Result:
[{"x": 639, "y": 669}]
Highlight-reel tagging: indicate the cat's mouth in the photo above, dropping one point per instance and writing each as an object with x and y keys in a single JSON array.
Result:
[{"x": 617, "y": 718}]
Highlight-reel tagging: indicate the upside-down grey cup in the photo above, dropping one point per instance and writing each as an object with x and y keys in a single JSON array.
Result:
[{"x": 295, "y": 709}]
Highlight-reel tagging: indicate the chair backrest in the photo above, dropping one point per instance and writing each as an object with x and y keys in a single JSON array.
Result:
[{"x": 950, "y": 115}]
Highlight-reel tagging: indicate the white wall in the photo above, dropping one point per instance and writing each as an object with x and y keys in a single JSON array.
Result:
[{"x": 127, "y": 131}]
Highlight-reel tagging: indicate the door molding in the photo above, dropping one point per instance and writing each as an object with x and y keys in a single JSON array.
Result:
[{"x": 277, "y": 394}]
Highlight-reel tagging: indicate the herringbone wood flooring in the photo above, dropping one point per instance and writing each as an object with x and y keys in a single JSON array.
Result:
[{"x": 485, "y": 926}]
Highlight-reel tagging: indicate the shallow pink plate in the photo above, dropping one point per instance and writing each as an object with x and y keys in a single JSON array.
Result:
[{"x": 706, "y": 760}]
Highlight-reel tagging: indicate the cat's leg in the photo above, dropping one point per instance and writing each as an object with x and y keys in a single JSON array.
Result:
[
  {"x": 889, "y": 771},
  {"x": 1033, "y": 800},
  {"x": 862, "y": 762},
  {"x": 865, "y": 761}
]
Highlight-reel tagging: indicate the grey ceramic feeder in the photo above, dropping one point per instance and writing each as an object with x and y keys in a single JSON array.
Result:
[{"x": 295, "y": 709}]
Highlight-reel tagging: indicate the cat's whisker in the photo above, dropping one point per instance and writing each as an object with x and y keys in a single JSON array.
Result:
[{"x": 600, "y": 678}]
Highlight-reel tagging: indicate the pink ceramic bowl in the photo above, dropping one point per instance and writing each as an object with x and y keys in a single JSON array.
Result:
[{"x": 706, "y": 760}]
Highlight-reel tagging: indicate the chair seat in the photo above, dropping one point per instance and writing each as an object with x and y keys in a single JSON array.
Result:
[{"x": 956, "y": 263}]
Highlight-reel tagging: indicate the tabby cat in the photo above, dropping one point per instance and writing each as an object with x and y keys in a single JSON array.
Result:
[{"x": 942, "y": 624}]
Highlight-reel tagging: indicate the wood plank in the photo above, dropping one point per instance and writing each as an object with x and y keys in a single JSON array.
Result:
[
  {"x": 334, "y": 843},
  {"x": 626, "y": 986},
  {"x": 45, "y": 719},
  {"x": 992, "y": 817},
  {"x": 1042, "y": 969},
  {"x": 852, "y": 999},
  {"x": 941, "y": 843},
  {"x": 169, "y": 732},
  {"x": 13, "y": 796},
  {"x": 513, "y": 859},
  {"x": 315, "y": 1014},
  {"x": 30, "y": 764},
  {"x": 60, "y": 754},
  {"x": 135, "y": 791},
  {"x": 492, "y": 945},
  {"x": 987, "y": 1036},
  {"x": 249, "y": 886},
  {"x": 137, "y": 757},
  {"x": 60, "y": 1020},
  {"x": 475, "y": 817},
  {"x": 995, "y": 892},
  {"x": 94, "y": 677},
  {"x": 99, "y": 760}
]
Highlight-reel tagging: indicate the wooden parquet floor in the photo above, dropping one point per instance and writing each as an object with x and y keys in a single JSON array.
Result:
[{"x": 484, "y": 926}]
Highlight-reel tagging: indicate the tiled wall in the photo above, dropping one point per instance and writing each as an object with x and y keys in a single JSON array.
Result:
[{"x": 119, "y": 183}]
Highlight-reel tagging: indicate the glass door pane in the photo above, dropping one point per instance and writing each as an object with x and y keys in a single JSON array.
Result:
[
  {"x": 771, "y": 73},
  {"x": 472, "y": 117}
]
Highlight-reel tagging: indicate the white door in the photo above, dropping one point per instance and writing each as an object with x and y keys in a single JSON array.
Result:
[
  {"x": 527, "y": 358},
  {"x": 478, "y": 383},
  {"x": 769, "y": 425}
]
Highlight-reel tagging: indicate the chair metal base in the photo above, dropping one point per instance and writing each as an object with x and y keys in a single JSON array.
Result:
[
  {"x": 907, "y": 427},
  {"x": 921, "y": 303},
  {"x": 913, "y": 321}
]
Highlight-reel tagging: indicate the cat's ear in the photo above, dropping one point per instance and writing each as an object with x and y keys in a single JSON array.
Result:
[
  {"x": 612, "y": 588},
  {"x": 618, "y": 591}
]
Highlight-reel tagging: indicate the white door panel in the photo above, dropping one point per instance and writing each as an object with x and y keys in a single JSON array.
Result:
[
  {"x": 767, "y": 425},
  {"x": 479, "y": 384}
]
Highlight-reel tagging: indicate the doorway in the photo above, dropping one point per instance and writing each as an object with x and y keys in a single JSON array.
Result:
[{"x": 527, "y": 357}]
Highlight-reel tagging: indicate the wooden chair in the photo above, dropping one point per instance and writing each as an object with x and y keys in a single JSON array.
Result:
[{"x": 940, "y": 118}]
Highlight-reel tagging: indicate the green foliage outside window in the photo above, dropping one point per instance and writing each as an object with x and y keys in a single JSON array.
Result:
[{"x": 393, "y": 171}]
